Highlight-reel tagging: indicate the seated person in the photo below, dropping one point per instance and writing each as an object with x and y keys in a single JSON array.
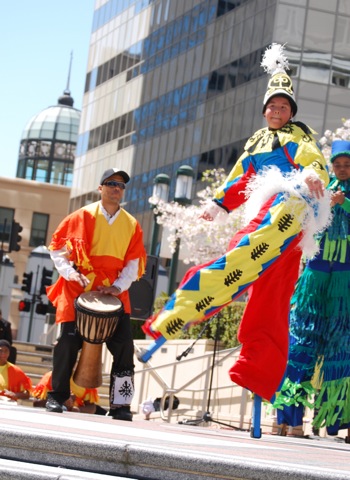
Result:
[
  {"x": 14, "y": 383},
  {"x": 6, "y": 334},
  {"x": 83, "y": 400}
]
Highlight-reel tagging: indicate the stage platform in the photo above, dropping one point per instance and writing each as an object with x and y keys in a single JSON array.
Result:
[{"x": 51, "y": 446}]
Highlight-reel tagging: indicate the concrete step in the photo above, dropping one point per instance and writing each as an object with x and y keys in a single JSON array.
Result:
[
  {"x": 31, "y": 357},
  {"x": 38, "y": 368},
  {"x": 79, "y": 446},
  {"x": 13, "y": 470},
  {"x": 33, "y": 347}
]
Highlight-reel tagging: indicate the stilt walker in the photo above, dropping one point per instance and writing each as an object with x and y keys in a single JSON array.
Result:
[{"x": 281, "y": 176}]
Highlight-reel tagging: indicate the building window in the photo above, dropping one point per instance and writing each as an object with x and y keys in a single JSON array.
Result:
[
  {"x": 340, "y": 80},
  {"x": 293, "y": 71},
  {"x": 38, "y": 233},
  {"x": 6, "y": 219},
  {"x": 225, "y": 6}
]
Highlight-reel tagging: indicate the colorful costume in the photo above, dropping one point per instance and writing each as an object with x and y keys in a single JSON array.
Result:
[
  {"x": 81, "y": 395},
  {"x": 100, "y": 250},
  {"x": 12, "y": 378},
  {"x": 319, "y": 358},
  {"x": 6, "y": 334},
  {"x": 264, "y": 255}
]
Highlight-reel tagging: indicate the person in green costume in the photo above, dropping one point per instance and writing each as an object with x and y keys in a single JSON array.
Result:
[{"x": 319, "y": 354}]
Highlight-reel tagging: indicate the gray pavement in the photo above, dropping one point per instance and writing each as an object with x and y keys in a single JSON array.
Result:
[{"x": 51, "y": 446}]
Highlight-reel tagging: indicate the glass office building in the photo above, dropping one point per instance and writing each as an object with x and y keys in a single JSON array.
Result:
[{"x": 179, "y": 82}]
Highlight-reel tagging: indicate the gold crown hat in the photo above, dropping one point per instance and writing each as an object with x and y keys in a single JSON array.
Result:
[{"x": 275, "y": 63}]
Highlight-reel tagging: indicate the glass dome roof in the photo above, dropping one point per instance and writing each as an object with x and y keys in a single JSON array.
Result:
[
  {"x": 48, "y": 143},
  {"x": 60, "y": 123}
]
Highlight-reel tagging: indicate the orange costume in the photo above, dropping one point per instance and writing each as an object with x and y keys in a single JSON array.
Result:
[
  {"x": 103, "y": 249},
  {"x": 81, "y": 394},
  {"x": 12, "y": 378},
  {"x": 99, "y": 250}
]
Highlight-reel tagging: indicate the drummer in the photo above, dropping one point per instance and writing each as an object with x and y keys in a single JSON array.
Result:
[{"x": 98, "y": 247}]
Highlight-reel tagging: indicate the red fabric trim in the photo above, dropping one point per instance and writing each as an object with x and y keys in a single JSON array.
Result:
[
  {"x": 235, "y": 194},
  {"x": 289, "y": 158},
  {"x": 45, "y": 385},
  {"x": 263, "y": 331},
  {"x": 253, "y": 224},
  {"x": 146, "y": 327},
  {"x": 17, "y": 379}
]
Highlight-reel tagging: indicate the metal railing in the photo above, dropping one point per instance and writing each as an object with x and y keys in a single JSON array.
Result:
[{"x": 171, "y": 386}]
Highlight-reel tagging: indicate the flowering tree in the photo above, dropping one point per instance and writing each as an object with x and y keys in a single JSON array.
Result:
[
  {"x": 203, "y": 240},
  {"x": 342, "y": 133}
]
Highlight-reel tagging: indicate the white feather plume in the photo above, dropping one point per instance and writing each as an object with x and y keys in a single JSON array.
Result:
[
  {"x": 315, "y": 214},
  {"x": 274, "y": 59}
]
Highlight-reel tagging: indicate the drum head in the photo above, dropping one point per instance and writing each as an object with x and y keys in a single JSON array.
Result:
[{"x": 95, "y": 301}]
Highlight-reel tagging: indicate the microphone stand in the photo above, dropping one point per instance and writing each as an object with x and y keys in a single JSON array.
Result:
[
  {"x": 188, "y": 349},
  {"x": 207, "y": 415}
]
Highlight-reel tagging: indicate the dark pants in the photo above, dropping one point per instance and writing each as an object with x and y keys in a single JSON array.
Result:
[
  {"x": 70, "y": 342},
  {"x": 13, "y": 354}
]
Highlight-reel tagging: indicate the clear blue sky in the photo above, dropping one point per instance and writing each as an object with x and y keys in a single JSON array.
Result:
[{"x": 37, "y": 38}]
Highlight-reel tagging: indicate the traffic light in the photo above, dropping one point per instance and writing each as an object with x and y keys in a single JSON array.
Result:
[
  {"x": 41, "y": 308},
  {"x": 24, "y": 306},
  {"x": 15, "y": 238},
  {"x": 46, "y": 280},
  {"x": 27, "y": 282}
]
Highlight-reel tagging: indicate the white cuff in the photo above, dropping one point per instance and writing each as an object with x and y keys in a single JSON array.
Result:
[
  {"x": 308, "y": 173},
  {"x": 213, "y": 209}
]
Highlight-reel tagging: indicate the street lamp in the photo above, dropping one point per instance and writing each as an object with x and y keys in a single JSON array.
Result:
[
  {"x": 183, "y": 188},
  {"x": 160, "y": 193},
  {"x": 183, "y": 196}
]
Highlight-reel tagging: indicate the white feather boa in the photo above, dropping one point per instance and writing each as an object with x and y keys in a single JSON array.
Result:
[{"x": 316, "y": 215}]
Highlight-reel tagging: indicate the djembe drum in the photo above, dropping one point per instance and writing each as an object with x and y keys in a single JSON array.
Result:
[{"x": 97, "y": 316}]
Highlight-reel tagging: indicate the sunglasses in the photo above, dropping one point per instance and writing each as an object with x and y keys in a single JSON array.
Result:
[{"x": 120, "y": 185}]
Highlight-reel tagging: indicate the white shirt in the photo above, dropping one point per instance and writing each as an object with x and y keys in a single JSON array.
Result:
[{"x": 126, "y": 276}]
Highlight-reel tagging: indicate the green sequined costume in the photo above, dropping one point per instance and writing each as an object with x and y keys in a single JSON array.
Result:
[{"x": 318, "y": 372}]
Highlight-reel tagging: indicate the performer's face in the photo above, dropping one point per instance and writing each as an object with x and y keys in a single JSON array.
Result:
[
  {"x": 341, "y": 168},
  {"x": 278, "y": 112},
  {"x": 4, "y": 355},
  {"x": 112, "y": 190}
]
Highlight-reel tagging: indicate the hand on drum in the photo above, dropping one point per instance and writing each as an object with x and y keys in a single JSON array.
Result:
[
  {"x": 109, "y": 290},
  {"x": 80, "y": 278}
]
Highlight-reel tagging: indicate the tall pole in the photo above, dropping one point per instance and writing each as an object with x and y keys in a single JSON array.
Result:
[
  {"x": 160, "y": 193},
  {"x": 32, "y": 305},
  {"x": 183, "y": 196},
  {"x": 2, "y": 240},
  {"x": 173, "y": 268},
  {"x": 155, "y": 235}
]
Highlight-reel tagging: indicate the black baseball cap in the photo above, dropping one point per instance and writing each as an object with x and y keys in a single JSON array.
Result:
[
  {"x": 5, "y": 343},
  {"x": 114, "y": 171}
]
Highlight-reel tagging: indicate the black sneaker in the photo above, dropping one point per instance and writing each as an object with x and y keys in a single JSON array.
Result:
[
  {"x": 121, "y": 413},
  {"x": 53, "y": 405}
]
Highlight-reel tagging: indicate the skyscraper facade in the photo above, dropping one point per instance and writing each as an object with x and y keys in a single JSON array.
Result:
[{"x": 179, "y": 82}]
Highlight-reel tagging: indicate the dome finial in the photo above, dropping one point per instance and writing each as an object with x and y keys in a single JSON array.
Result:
[
  {"x": 66, "y": 98},
  {"x": 69, "y": 70}
]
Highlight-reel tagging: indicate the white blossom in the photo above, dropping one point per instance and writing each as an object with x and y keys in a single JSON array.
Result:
[
  {"x": 203, "y": 240},
  {"x": 341, "y": 133}
]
